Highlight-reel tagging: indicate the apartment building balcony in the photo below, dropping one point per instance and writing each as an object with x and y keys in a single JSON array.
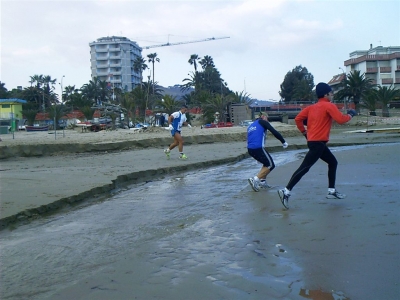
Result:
[
  {"x": 101, "y": 66},
  {"x": 372, "y": 70},
  {"x": 377, "y": 57},
  {"x": 101, "y": 50},
  {"x": 115, "y": 49},
  {"x": 105, "y": 57},
  {"x": 115, "y": 65},
  {"x": 385, "y": 69},
  {"x": 387, "y": 80},
  {"x": 398, "y": 68},
  {"x": 102, "y": 73},
  {"x": 115, "y": 56}
]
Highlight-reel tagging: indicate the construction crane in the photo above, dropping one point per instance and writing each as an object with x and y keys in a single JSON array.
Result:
[{"x": 188, "y": 42}]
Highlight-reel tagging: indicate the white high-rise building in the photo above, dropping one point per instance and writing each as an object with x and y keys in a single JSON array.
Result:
[
  {"x": 381, "y": 64},
  {"x": 112, "y": 60}
]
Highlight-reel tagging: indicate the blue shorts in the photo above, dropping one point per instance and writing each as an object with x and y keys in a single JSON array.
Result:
[{"x": 173, "y": 131}]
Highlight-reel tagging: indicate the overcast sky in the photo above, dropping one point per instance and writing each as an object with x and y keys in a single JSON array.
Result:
[{"x": 267, "y": 39}]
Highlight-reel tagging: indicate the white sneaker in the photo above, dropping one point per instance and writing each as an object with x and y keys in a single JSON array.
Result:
[
  {"x": 254, "y": 184},
  {"x": 284, "y": 198},
  {"x": 167, "y": 153},
  {"x": 335, "y": 195},
  {"x": 264, "y": 185}
]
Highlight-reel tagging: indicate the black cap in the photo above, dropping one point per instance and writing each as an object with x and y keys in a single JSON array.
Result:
[{"x": 322, "y": 89}]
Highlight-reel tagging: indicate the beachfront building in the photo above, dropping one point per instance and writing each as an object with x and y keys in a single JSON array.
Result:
[
  {"x": 10, "y": 114},
  {"x": 112, "y": 60},
  {"x": 381, "y": 64}
]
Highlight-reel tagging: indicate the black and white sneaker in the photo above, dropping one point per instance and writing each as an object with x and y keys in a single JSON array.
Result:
[
  {"x": 284, "y": 198},
  {"x": 264, "y": 185},
  {"x": 254, "y": 184},
  {"x": 335, "y": 195}
]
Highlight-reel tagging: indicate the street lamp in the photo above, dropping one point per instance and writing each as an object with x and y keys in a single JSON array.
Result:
[{"x": 344, "y": 98}]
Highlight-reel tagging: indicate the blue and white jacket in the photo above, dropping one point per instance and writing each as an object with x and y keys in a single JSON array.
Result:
[{"x": 257, "y": 131}]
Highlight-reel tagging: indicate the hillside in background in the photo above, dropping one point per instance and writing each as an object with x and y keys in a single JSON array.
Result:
[{"x": 175, "y": 91}]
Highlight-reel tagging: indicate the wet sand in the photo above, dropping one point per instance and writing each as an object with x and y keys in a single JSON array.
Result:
[
  {"x": 319, "y": 249},
  {"x": 349, "y": 247}
]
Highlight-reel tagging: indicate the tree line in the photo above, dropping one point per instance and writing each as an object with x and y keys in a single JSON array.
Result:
[
  {"x": 355, "y": 87},
  {"x": 204, "y": 88}
]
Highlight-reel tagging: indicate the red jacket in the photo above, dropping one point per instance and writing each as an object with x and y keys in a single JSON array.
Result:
[{"x": 319, "y": 118}]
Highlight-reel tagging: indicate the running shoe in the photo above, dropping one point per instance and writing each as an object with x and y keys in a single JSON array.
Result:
[
  {"x": 284, "y": 198},
  {"x": 254, "y": 184},
  {"x": 335, "y": 195},
  {"x": 183, "y": 156},
  {"x": 167, "y": 153},
  {"x": 264, "y": 185}
]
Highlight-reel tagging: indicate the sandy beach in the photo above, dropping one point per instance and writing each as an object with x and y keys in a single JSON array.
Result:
[{"x": 347, "y": 249}]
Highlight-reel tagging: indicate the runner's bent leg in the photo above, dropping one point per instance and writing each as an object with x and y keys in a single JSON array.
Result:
[
  {"x": 314, "y": 153},
  {"x": 330, "y": 159},
  {"x": 179, "y": 140},
  {"x": 174, "y": 143}
]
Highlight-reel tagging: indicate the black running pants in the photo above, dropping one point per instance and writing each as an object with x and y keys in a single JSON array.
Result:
[{"x": 317, "y": 150}]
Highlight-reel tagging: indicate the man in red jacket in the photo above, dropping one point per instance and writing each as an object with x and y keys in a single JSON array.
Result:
[{"x": 319, "y": 118}]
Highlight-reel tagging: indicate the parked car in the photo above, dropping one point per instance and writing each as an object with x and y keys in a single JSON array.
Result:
[{"x": 245, "y": 123}]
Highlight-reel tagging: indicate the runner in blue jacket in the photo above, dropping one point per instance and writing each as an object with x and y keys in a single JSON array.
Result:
[{"x": 256, "y": 134}]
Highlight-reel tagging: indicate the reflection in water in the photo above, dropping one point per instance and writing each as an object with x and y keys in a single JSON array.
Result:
[{"x": 320, "y": 295}]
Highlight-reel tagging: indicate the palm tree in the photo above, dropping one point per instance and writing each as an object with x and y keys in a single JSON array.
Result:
[
  {"x": 104, "y": 91},
  {"x": 33, "y": 95},
  {"x": 128, "y": 103},
  {"x": 56, "y": 112},
  {"x": 48, "y": 88},
  {"x": 30, "y": 115},
  {"x": 156, "y": 95},
  {"x": 76, "y": 100},
  {"x": 207, "y": 61},
  {"x": 152, "y": 59},
  {"x": 195, "y": 81},
  {"x": 38, "y": 79},
  {"x": 384, "y": 95},
  {"x": 169, "y": 103},
  {"x": 68, "y": 92},
  {"x": 355, "y": 85},
  {"x": 91, "y": 91},
  {"x": 241, "y": 97},
  {"x": 87, "y": 112},
  {"x": 140, "y": 96},
  {"x": 193, "y": 61},
  {"x": 217, "y": 104},
  {"x": 370, "y": 101},
  {"x": 139, "y": 66}
]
